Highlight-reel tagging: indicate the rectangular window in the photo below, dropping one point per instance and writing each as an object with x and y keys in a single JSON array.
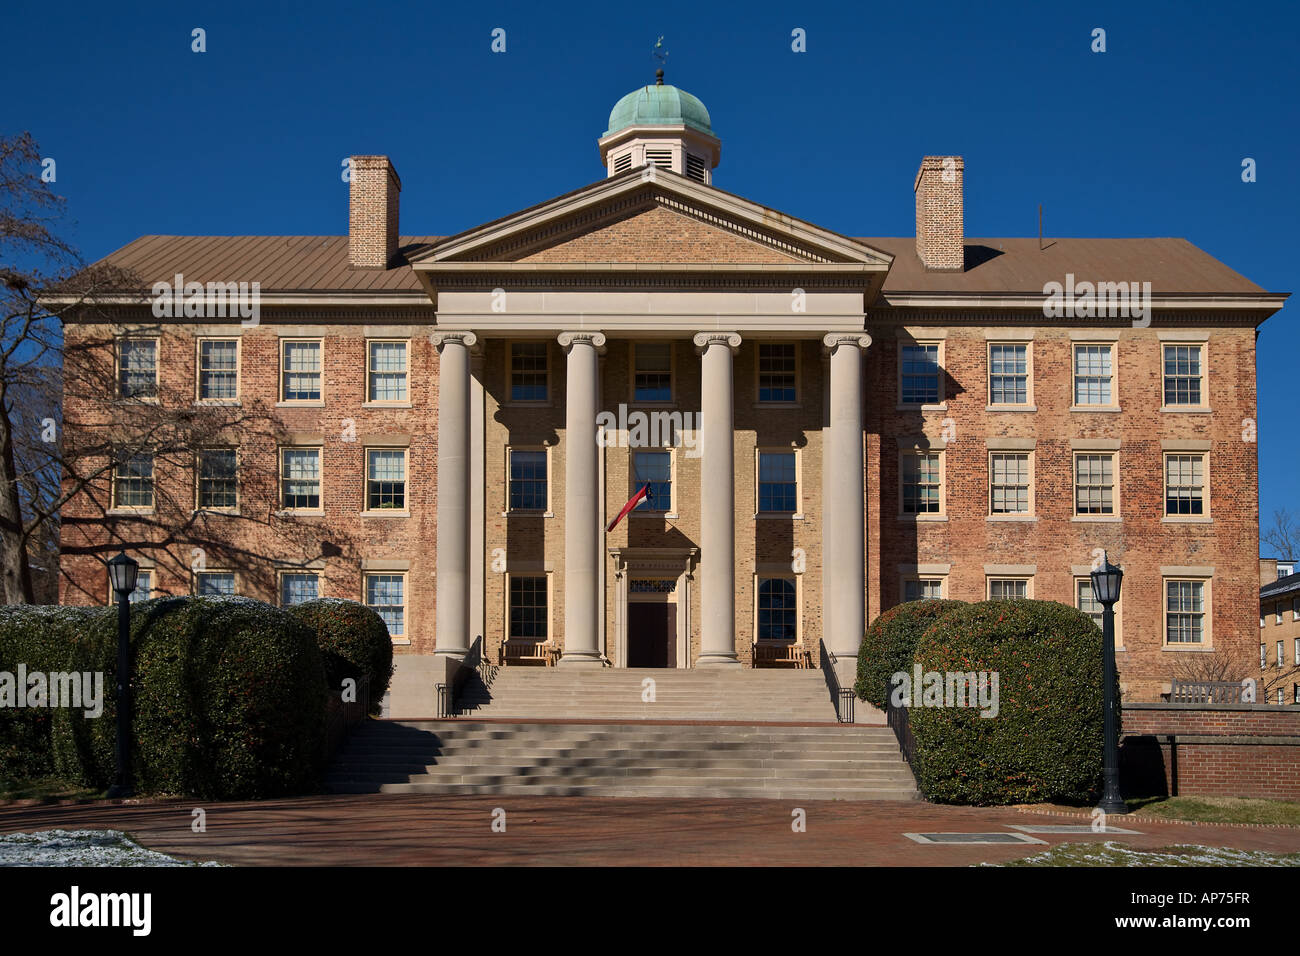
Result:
[
  {"x": 529, "y": 374},
  {"x": 133, "y": 482},
  {"x": 386, "y": 479},
  {"x": 300, "y": 377},
  {"x": 300, "y": 488},
  {"x": 1008, "y": 483},
  {"x": 1008, "y": 374},
  {"x": 298, "y": 587},
  {"x": 1007, "y": 589},
  {"x": 137, "y": 368},
  {"x": 1295, "y": 609},
  {"x": 1092, "y": 375},
  {"x": 1281, "y": 654},
  {"x": 1185, "y": 612},
  {"x": 1086, "y": 601},
  {"x": 214, "y": 583},
  {"x": 921, "y": 483},
  {"x": 922, "y": 589},
  {"x": 921, "y": 377},
  {"x": 1094, "y": 484},
  {"x": 778, "y": 489},
  {"x": 778, "y": 613},
  {"x": 529, "y": 616},
  {"x": 654, "y": 468},
  {"x": 1263, "y": 656},
  {"x": 143, "y": 587},
  {"x": 218, "y": 478},
  {"x": 777, "y": 372},
  {"x": 218, "y": 370},
  {"x": 1184, "y": 484},
  {"x": 386, "y": 375},
  {"x": 1184, "y": 374},
  {"x": 386, "y": 596},
  {"x": 1277, "y": 613},
  {"x": 653, "y": 374},
  {"x": 528, "y": 491}
]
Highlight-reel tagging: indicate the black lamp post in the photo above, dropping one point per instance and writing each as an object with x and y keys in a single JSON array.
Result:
[
  {"x": 122, "y": 575},
  {"x": 1105, "y": 588}
]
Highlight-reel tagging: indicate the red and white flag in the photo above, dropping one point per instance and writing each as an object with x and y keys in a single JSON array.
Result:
[{"x": 635, "y": 500}]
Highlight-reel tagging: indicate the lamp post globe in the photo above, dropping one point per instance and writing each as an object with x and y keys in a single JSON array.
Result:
[{"x": 1106, "y": 582}]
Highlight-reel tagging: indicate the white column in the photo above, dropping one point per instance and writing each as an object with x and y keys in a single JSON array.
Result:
[
  {"x": 452, "y": 619},
  {"x": 583, "y": 535},
  {"x": 477, "y": 504},
  {"x": 844, "y": 507},
  {"x": 717, "y": 499}
]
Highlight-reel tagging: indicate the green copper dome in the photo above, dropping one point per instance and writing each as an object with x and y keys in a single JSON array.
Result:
[{"x": 659, "y": 105}]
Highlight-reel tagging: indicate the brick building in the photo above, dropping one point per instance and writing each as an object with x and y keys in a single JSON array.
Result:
[
  {"x": 828, "y": 425},
  {"x": 1279, "y": 632}
]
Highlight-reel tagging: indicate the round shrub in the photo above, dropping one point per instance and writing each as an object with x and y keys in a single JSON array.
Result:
[
  {"x": 229, "y": 701},
  {"x": 354, "y": 642},
  {"x": 891, "y": 642},
  {"x": 45, "y": 639},
  {"x": 1045, "y": 741}
]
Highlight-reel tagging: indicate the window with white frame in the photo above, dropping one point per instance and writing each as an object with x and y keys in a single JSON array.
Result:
[
  {"x": 1086, "y": 600},
  {"x": 922, "y": 483},
  {"x": 133, "y": 481},
  {"x": 778, "y": 365},
  {"x": 1094, "y": 483},
  {"x": 218, "y": 370},
  {"x": 1277, "y": 612},
  {"x": 1009, "y": 483},
  {"x": 1093, "y": 375},
  {"x": 778, "y": 612},
  {"x": 529, "y": 610},
  {"x": 386, "y": 596},
  {"x": 920, "y": 377},
  {"x": 1184, "y": 375},
  {"x": 143, "y": 587},
  {"x": 1281, "y": 654},
  {"x": 778, "y": 483},
  {"x": 1008, "y": 589},
  {"x": 385, "y": 479},
  {"x": 652, "y": 377},
  {"x": 1184, "y": 484},
  {"x": 655, "y": 469},
  {"x": 528, "y": 489},
  {"x": 300, "y": 479},
  {"x": 214, "y": 583},
  {"x": 529, "y": 371},
  {"x": 137, "y": 368},
  {"x": 386, "y": 372},
  {"x": 1295, "y": 609},
  {"x": 1008, "y": 374},
  {"x": 1185, "y": 612},
  {"x": 300, "y": 376},
  {"x": 298, "y": 587},
  {"x": 1263, "y": 656},
  {"x": 922, "y": 589},
  {"x": 218, "y": 479}
]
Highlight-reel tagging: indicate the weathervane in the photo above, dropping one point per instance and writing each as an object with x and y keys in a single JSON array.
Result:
[{"x": 661, "y": 57}]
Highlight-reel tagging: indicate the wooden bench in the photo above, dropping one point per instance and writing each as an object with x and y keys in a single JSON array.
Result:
[
  {"x": 540, "y": 653},
  {"x": 781, "y": 654},
  {"x": 1205, "y": 692}
]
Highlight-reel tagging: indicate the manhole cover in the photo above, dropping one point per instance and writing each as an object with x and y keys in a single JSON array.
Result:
[{"x": 972, "y": 838}]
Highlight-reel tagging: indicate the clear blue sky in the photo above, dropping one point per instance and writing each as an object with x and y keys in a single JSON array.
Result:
[{"x": 1146, "y": 139}]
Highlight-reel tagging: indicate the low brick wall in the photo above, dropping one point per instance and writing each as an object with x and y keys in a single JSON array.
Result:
[{"x": 1220, "y": 750}]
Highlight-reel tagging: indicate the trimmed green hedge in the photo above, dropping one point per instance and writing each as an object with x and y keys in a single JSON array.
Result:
[
  {"x": 1045, "y": 744},
  {"x": 890, "y": 644},
  {"x": 354, "y": 642},
  {"x": 45, "y": 639}
]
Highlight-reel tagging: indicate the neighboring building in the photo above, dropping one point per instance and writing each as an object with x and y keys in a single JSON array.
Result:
[
  {"x": 880, "y": 419},
  {"x": 1279, "y": 632}
]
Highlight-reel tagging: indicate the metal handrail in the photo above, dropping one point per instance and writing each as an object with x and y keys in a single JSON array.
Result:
[
  {"x": 474, "y": 662},
  {"x": 901, "y": 725},
  {"x": 841, "y": 697}
]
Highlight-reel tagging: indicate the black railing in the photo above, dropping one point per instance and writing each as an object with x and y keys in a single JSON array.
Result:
[
  {"x": 341, "y": 715},
  {"x": 841, "y": 697},
  {"x": 445, "y": 703},
  {"x": 473, "y": 664},
  {"x": 902, "y": 728}
]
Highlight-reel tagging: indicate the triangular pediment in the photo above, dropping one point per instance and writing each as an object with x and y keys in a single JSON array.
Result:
[{"x": 650, "y": 216}]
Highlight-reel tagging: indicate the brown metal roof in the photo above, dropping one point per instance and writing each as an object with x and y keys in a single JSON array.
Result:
[{"x": 320, "y": 264}]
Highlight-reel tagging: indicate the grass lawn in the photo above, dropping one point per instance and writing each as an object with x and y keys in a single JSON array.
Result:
[
  {"x": 1217, "y": 809},
  {"x": 46, "y": 790},
  {"x": 1119, "y": 854}
]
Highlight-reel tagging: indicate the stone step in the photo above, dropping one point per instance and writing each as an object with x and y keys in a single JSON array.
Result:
[{"x": 692, "y": 792}]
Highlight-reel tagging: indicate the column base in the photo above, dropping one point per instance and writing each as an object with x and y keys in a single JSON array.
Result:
[
  {"x": 717, "y": 660},
  {"x": 581, "y": 659}
]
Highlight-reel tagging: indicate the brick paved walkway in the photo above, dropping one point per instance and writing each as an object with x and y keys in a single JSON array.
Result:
[{"x": 418, "y": 830}]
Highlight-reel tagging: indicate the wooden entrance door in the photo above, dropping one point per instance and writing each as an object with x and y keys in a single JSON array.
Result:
[{"x": 651, "y": 634}]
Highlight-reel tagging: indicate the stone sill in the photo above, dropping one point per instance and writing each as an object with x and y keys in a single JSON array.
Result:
[
  {"x": 1010, "y": 408},
  {"x": 528, "y": 514},
  {"x": 315, "y": 404},
  {"x": 759, "y": 406},
  {"x": 129, "y": 512},
  {"x": 1011, "y": 517},
  {"x": 922, "y": 519},
  {"x": 401, "y": 642},
  {"x": 1098, "y": 519},
  {"x": 385, "y": 514},
  {"x": 386, "y": 405},
  {"x": 301, "y": 513},
  {"x": 941, "y": 407},
  {"x": 1178, "y": 519},
  {"x": 218, "y": 402},
  {"x": 768, "y": 516},
  {"x": 1096, "y": 408},
  {"x": 1189, "y": 410}
]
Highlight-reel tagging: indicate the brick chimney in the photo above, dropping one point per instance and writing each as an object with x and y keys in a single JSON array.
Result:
[
  {"x": 372, "y": 212},
  {"x": 939, "y": 227}
]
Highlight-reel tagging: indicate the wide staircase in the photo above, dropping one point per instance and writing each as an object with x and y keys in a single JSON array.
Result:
[{"x": 607, "y": 733}]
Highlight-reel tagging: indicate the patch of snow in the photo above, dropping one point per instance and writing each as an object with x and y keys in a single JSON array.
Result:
[{"x": 81, "y": 848}]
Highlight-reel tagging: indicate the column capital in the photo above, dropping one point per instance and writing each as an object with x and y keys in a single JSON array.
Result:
[
  {"x": 464, "y": 337},
  {"x": 703, "y": 340},
  {"x": 834, "y": 340},
  {"x": 569, "y": 339}
]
